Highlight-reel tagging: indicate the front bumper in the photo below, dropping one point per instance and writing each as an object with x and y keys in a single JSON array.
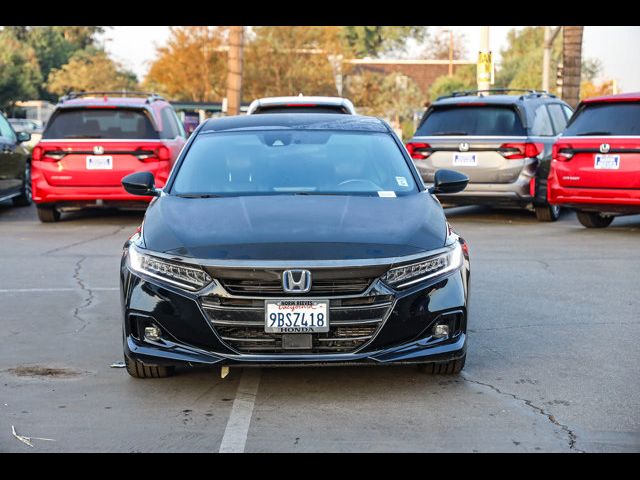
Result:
[{"x": 189, "y": 337}]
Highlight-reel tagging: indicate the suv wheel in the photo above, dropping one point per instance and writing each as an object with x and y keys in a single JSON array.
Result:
[
  {"x": 446, "y": 368},
  {"x": 48, "y": 213},
  {"x": 547, "y": 213},
  {"x": 138, "y": 369},
  {"x": 24, "y": 199},
  {"x": 594, "y": 219}
]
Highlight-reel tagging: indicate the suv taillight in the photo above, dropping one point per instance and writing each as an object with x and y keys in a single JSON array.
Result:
[
  {"x": 161, "y": 153},
  {"x": 562, "y": 152},
  {"x": 418, "y": 150},
  {"x": 518, "y": 151},
  {"x": 40, "y": 154}
]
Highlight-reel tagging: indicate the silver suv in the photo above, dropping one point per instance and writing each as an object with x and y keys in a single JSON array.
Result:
[{"x": 501, "y": 142}]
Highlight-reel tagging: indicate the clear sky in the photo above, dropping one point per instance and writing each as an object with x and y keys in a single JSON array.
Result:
[{"x": 614, "y": 46}]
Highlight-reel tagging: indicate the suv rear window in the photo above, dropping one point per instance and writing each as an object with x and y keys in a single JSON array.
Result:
[
  {"x": 606, "y": 119},
  {"x": 301, "y": 109},
  {"x": 114, "y": 123},
  {"x": 472, "y": 120}
]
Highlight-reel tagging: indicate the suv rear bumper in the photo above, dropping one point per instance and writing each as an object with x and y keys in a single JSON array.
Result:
[
  {"x": 517, "y": 193},
  {"x": 597, "y": 199},
  {"x": 43, "y": 192}
]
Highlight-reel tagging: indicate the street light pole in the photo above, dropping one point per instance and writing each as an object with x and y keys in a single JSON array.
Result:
[
  {"x": 546, "y": 56},
  {"x": 484, "y": 61}
]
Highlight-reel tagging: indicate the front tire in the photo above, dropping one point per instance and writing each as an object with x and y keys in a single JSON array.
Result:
[
  {"x": 451, "y": 367},
  {"x": 48, "y": 213},
  {"x": 547, "y": 213},
  {"x": 138, "y": 369},
  {"x": 594, "y": 219}
]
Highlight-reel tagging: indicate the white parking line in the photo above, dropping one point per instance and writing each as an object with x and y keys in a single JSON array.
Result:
[
  {"x": 61, "y": 289},
  {"x": 235, "y": 434}
]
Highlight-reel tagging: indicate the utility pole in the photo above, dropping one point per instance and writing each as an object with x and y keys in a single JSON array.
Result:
[
  {"x": 549, "y": 37},
  {"x": 234, "y": 75},
  {"x": 572, "y": 63},
  {"x": 485, "y": 62}
]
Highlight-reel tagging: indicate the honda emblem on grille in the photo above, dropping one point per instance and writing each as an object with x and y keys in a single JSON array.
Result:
[
  {"x": 605, "y": 147},
  {"x": 464, "y": 147},
  {"x": 296, "y": 281},
  {"x": 98, "y": 150}
]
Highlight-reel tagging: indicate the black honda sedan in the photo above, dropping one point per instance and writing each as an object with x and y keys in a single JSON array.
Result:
[{"x": 300, "y": 239}]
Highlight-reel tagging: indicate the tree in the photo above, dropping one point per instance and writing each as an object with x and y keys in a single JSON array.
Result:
[
  {"x": 291, "y": 60},
  {"x": 464, "y": 78},
  {"x": 521, "y": 65},
  {"x": 19, "y": 70},
  {"x": 89, "y": 70},
  {"x": 192, "y": 65},
  {"x": 54, "y": 46},
  {"x": 438, "y": 46},
  {"x": 572, "y": 63},
  {"x": 373, "y": 41}
]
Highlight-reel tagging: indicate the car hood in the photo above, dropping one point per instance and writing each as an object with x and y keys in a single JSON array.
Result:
[{"x": 292, "y": 227}]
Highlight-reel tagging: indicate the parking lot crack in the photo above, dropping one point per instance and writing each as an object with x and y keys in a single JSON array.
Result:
[
  {"x": 88, "y": 298},
  {"x": 88, "y": 240},
  {"x": 572, "y": 439}
]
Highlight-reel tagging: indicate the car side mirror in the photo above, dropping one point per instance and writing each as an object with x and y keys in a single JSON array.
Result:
[
  {"x": 449, "y": 181},
  {"x": 23, "y": 137},
  {"x": 140, "y": 183}
]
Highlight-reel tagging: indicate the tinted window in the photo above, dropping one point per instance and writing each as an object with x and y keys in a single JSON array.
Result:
[
  {"x": 494, "y": 121},
  {"x": 281, "y": 162},
  {"x": 568, "y": 112},
  {"x": 169, "y": 124},
  {"x": 5, "y": 130},
  {"x": 100, "y": 123},
  {"x": 542, "y": 123},
  {"x": 557, "y": 117},
  {"x": 606, "y": 119}
]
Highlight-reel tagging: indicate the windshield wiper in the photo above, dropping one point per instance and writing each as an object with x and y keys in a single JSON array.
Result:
[
  {"x": 198, "y": 195},
  {"x": 449, "y": 133},
  {"x": 592, "y": 133},
  {"x": 81, "y": 136}
]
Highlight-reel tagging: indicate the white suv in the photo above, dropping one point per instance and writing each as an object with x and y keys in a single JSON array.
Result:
[{"x": 301, "y": 104}]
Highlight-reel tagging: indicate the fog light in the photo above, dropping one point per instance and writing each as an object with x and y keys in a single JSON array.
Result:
[
  {"x": 440, "y": 331},
  {"x": 152, "y": 333}
]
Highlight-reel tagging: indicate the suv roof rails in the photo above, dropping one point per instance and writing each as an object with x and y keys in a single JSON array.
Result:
[
  {"x": 528, "y": 92},
  {"x": 151, "y": 96}
]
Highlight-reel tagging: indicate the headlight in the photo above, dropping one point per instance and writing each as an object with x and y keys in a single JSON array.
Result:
[
  {"x": 406, "y": 275},
  {"x": 182, "y": 275}
]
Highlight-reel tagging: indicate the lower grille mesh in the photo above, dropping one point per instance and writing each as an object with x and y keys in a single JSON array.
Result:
[{"x": 352, "y": 323}]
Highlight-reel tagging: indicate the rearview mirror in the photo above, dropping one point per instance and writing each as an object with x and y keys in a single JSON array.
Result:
[
  {"x": 449, "y": 181},
  {"x": 140, "y": 183}
]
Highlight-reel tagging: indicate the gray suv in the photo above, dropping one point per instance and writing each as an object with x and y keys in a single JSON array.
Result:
[{"x": 501, "y": 142}]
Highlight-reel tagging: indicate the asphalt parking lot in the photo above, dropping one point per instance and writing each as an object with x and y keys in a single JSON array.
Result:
[{"x": 553, "y": 362}]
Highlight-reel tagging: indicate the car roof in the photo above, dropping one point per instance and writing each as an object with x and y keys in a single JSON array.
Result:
[
  {"x": 487, "y": 99},
  {"x": 104, "y": 101},
  {"x": 310, "y": 121},
  {"x": 301, "y": 100},
  {"x": 621, "y": 97}
]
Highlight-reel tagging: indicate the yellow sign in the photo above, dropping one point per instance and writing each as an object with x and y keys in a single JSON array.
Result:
[{"x": 485, "y": 67}]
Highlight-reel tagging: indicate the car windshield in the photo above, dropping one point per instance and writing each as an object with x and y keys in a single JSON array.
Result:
[
  {"x": 472, "y": 120},
  {"x": 602, "y": 119},
  {"x": 304, "y": 162},
  {"x": 116, "y": 123}
]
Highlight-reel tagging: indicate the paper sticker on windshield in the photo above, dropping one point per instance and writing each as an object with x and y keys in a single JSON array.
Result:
[
  {"x": 402, "y": 181},
  {"x": 387, "y": 194}
]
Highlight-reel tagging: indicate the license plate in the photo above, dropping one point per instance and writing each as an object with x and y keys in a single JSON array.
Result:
[
  {"x": 465, "y": 159},
  {"x": 607, "y": 162},
  {"x": 296, "y": 316},
  {"x": 97, "y": 162}
]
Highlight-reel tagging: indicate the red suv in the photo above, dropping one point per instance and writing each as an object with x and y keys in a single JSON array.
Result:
[
  {"x": 596, "y": 161},
  {"x": 92, "y": 140}
]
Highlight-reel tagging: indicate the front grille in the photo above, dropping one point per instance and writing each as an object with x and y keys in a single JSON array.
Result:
[
  {"x": 318, "y": 287},
  {"x": 352, "y": 323}
]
